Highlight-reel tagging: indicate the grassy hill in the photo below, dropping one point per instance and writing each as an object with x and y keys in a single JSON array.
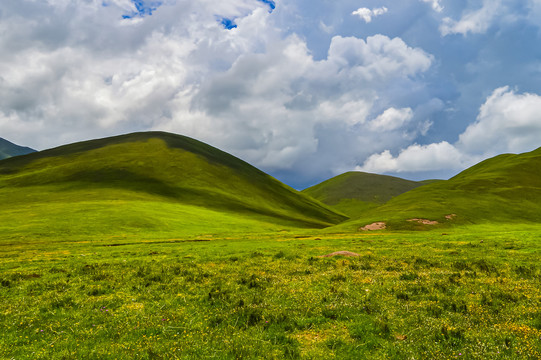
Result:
[
  {"x": 103, "y": 256},
  {"x": 355, "y": 192},
  {"x": 9, "y": 149},
  {"x": 146, "y": 184},
  {"x": 503, "y": 189}
]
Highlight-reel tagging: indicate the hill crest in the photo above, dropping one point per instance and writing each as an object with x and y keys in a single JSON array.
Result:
[
  {"x": 504, "y": 189},
  {"x": 9, "y": 149},
  {"x": 361, "y": 186},
  {"x": 162, "y": 167},
  {"x": 355, "y": 192}
]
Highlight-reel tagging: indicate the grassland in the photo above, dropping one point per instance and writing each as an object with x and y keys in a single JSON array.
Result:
[
  {"x": 155, "y": 246},
  {"x": 361, "y": 186},
  {"x": 503, "y": 189},
  {"x": 146, "y": 183},
  {"x": 355, "y": 193},
  {"x": 471, "y": 293}
]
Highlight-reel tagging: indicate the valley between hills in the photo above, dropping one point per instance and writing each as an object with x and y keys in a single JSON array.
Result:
[{"x": 158, "y": 246}]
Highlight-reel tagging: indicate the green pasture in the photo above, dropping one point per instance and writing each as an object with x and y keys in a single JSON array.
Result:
[
  {"x": 468, "y": 293},
  {"x": 157, "y": 246},
  {"x": 370, "y": 188}
]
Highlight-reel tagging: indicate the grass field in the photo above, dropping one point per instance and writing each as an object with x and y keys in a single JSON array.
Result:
[
  {"x": 354, "y": 193},
  {"x": 469, "y": 293},
  {"x": 503, "y": 189},
  {"x": 157, "y": 246},
  {"x": 136, "y": 181}
]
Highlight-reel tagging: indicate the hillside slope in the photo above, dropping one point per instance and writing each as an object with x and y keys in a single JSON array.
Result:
[
  {"x": 506, "y": 188},
  {"x": 9, "y": 149},
  {"x": 355, "y": 192},
  {"x": 155, "y": 181}
]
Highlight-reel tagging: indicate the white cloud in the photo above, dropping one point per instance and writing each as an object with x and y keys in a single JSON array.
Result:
[
  {"x": 277, "y": 100},
  {"x": 475, "y": 22},
  {"x": 326, "y": 28},
  {"x": 507, "y": 122},
  {"x": 436, "y": 6},
  {"x": 417, "y": 158},
  {"x": 493, "y": 13},
  {"x": 391, "y": 119},
  {"x": 367, "y": 14},
  {"x": 352, "y": 112},
  {"x": 378, "y": 57}
]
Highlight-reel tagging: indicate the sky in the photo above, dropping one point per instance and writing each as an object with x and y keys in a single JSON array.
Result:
[{"x": 304, "y": 90}]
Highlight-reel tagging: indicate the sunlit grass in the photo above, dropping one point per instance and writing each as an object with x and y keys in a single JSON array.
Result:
[{"x": 472, "y": 293}]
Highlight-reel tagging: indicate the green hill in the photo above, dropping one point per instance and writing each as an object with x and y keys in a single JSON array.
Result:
[
  {"x": 9, "y": 149},
  {"x": 146, "y": 184},
  {"x": 355, "y": 192},
  {"x": 503, "y": 189}
]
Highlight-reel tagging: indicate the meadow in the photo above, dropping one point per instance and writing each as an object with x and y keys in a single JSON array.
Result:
[
  {"x": 468, "y": 292},
  {"x": 157, "y": 246}
]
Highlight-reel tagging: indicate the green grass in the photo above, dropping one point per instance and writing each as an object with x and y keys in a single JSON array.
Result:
[
  {"x": 504, "y": 189},
  {"x": 354, "y": 193},
  {"x": 155, "y": 246},
  {"x": 472, "y": 293},
  {"x": 354, "y": 208},
  {"x": 145, "y": 182},
  {"x": 361, "y": 186}
]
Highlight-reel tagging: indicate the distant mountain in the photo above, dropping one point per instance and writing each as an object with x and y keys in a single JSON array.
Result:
[
  {"x": 149, "y": 183},
  {"x": 503, "y": 189},
  {"x": 9, "y": 149},
  {"x": 355, "y": 192}
]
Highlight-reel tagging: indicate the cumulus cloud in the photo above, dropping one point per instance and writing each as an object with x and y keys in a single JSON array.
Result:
[
  {"x": 417, "y": 158},
  {"x": 476, "y": 21},
  {"x": 367, "y": 14},
  {"x": 507, "y": 122},
  {"x": 379, "y": 57},
  {"x": 492, "y": 13},
  {"x": 391, "y": 119},
  {"x": 277, "y": 100}
]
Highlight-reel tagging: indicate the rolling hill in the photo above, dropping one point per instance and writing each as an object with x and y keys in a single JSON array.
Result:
[
  {"x": 355, "y": 192},
  {"x": 503, "y": 189},
  {"x": 9, "y": 149},
  {"x": 146, "y": 184}
]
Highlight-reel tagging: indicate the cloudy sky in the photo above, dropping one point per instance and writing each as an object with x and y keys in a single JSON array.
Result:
[{"x": 304, "y": 90}]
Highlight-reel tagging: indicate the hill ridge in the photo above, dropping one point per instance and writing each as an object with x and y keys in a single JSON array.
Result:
[
  {"x": 159, "y": 168},
  {"x": 356, "y": 192},
  {"x": 9, "y": 149},
  {"x": 504, "y": 188}
]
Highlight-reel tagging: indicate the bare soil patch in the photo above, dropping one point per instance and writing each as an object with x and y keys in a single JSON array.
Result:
[
  {"x": 450, "y": 216},
  {"x": 374, "y": 226},
  {"x": 425, "y": 221}
]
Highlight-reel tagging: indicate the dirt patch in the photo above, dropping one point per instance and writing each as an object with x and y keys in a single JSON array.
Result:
[
  {"x": 374, "y": 226},
  {"x": 450, "y": 216},
  {"x": 424, "y": 221},
  {"x": 341, "y": 253}
]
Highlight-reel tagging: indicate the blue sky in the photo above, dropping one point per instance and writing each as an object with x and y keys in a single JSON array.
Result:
[
  {"x": 142, "y": 8},
  {"x": 303, "y": 90}
]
